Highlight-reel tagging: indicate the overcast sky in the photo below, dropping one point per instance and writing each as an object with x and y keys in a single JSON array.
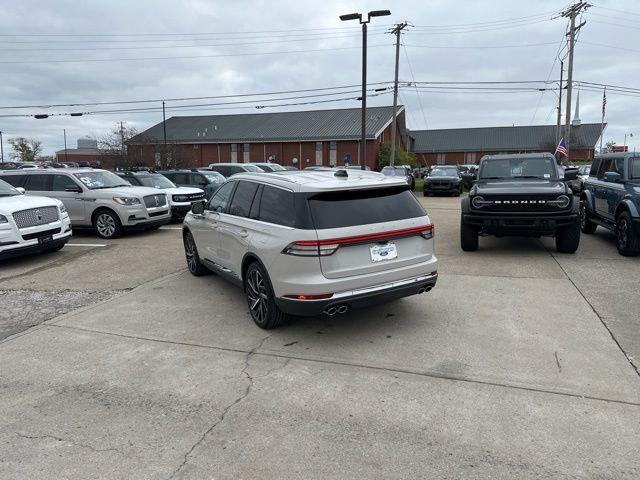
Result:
[{"x": 242, "y": 61}]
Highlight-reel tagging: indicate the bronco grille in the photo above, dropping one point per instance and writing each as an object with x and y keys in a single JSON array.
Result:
[
  {"x": 33, "y": 217},
  {"x": 153, "y": 201},
  {"x": 533, "y": 203}
]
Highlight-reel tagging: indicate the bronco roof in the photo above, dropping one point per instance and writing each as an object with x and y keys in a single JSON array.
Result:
[{"x": 324, "y": 180}]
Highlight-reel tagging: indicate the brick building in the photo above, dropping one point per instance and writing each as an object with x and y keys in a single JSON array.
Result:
[
  {"x": 87, "y": 151},
  {"x": 300, "y": 139},
  {"x": 468, "y": 145}
]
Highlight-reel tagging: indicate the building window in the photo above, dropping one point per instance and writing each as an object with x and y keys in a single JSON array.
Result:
[
  {"x": 245, "y": 153},
  {"x": 441, "y": 159},
  {"x": 470, "y": 158},
  {"x": 234, "y": 153},
  {"x": 319, "y": 154},
  {"x": 333, "y": 153}
]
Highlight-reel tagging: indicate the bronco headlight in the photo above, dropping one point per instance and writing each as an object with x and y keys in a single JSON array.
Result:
[
  {"x": 126, "y": 200},
  {"x": 562, "y": 201},
  {"x": 3, "y": 219}
]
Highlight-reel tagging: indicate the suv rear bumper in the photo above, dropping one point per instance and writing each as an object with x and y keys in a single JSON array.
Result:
[
  {"x": 360, "y": 297},
  {"x": 521, "y": 225}
]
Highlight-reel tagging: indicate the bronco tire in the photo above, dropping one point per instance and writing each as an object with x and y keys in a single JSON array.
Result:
[
  {"x": 586, "y": 225},
  {"x": 260, "y": 298},
  {"x": 468, "y": 237},
  {"x": 568, "y": 239},
  {"x": 627, "y": 241}
]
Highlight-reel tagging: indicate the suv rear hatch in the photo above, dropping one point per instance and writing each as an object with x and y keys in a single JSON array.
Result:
[{"x": 367, "y": 231}]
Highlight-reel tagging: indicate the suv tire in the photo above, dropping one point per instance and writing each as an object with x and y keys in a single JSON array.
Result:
[
  {"x": 193, "y": 259},
  {"x": 107, "y": 224},
  {"x": 468, "y": 237},
  {"x": 260, "y": 298},
  {"x": 586, "y": 225},
  {"x": 568, "y": 239},
  {"x": 627, "y": 241}
]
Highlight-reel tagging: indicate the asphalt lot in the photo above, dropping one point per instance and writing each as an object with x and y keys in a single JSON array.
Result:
[{"x": 117, "y": 363}]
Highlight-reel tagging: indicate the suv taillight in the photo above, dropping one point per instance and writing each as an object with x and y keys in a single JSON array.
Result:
[{"x": 315, "y": 248}]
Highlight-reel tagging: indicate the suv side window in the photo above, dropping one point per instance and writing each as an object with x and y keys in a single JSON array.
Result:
[
  {"x": 243, "y": 199},
  {"x": 593, "y": 172},
  {"x": 180, "y": 178},
  {"x": 197, "y": 179},
  {"x": 619, "y": 166},
  {"x": 605, "y": 166},
  {"x": 14, "y": 180},
  {"x": 277, "y": 206},
  {"x": 38, "y": 183},
  {"x": 221, "y": 169},
  {"x": 233, "y": 170},
  {"x": 220, "y": 200},
  {"x": 60, "y": 183}
]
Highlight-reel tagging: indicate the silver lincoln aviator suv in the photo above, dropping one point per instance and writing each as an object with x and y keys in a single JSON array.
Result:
[
  {"x": 96, "y": 198},
  {"x": 304, "y": 243}
]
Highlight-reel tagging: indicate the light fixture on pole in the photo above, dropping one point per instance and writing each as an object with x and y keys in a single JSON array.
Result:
[
  {"x": 363, "y": 22},
  {"x": 630, "y": 135}
]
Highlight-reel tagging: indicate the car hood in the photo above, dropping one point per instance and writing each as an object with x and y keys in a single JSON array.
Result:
[
  {"x": 521, "y": 186},
  {"x": 23, "y": 202},
  {"x": 126, "y": 191},
  {"x": 443, "y": 178}
]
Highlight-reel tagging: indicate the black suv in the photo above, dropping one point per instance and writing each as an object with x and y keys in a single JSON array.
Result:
[
  {"x": 611, "y": 198},
  {"x": 521, "y": 195}
]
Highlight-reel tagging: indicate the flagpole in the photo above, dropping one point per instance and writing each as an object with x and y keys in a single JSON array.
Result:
[{"x": 604, "y": 102}]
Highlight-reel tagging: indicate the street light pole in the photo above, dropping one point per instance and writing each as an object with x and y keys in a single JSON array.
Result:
[
  {"x": 363, "y": 108},
  {"x": 1, "y": 148},
  {"x": 64, "y": 131}
]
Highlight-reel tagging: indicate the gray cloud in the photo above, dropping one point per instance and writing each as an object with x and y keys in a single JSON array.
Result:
[{"x": 45, "y": 83}]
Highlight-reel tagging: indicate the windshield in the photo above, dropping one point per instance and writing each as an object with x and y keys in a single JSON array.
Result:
[
  {"x": 253, "y": 169},
  {"x": 7, "y": 190},
  {"x": 509, "y": 168},
  {"x": 634, "y": 168},
  {"x": 156, "y": 181},
  {"x": 275, "y": 167},
  {"x": 444, "y": 172},
  {"x": 215, "y": 177},
  {"x": 97, "y": 180},
  {"x": 394, "y": 172},
  {"x": 584, "y": 170}
]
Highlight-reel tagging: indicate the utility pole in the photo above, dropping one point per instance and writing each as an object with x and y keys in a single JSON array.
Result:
[
  {"x": 571, "y": 13},
  {"x": 1, "y": 148},
  {"x": 558, "y": 131},
  {"x": 396, "y": 31},
  {"x": 164, "y": 130},
  {"x": 64, "y": 131},
  {"x": 121, "y": 140}
]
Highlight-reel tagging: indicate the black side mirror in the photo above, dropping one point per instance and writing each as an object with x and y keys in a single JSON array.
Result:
[
  {"x": 612, "y": 177},
  {"x": 197, "y": 208},
  {"x": 74, "y": 188},
  {"x": 571, "y": 174}
]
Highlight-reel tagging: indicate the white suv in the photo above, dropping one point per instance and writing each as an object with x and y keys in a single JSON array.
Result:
[
  {"x": 304, "y": 243},
  {"x": 96, "y": 198},
  {"x": 31, "y": 224}
]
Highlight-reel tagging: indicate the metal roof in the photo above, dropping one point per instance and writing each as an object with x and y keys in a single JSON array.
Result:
[
  {"x": 311, "y": 125},
  {"x": 500, "y": 139},
  {"x": 80, "y": 151}
]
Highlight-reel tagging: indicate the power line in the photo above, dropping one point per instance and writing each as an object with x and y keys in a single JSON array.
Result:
[
  {"x": 288, "y": 40},
  {"x": 424, "y": 118},
  {"x": 14, "y": 62},
  {"x": 504, "y": 20},
  {"x": 178, "y": 99},
  {"x": 481, "y": 46}
]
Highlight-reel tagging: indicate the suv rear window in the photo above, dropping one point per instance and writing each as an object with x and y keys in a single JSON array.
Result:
[
  {"x": 277, "y": 206},
  {"x": 362, "y": 207}
]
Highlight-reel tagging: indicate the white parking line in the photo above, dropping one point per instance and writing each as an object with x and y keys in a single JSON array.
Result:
[
  {"x": 170, "y": 228},
  {"x": 86, "y": 245}
]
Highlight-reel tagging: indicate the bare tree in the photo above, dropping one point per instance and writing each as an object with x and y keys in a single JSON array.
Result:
[{"x": 25, "y": 149}]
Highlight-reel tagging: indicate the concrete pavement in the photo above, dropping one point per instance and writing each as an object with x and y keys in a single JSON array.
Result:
[{"x": 515, "y": 366}]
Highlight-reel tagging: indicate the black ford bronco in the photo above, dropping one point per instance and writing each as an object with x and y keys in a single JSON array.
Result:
[{"x": 521, "y": 195}]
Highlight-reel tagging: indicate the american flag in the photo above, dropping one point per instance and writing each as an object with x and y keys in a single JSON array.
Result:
[
  {"x": 604, "y": 101},
  {"x": 561, "y": 148}
]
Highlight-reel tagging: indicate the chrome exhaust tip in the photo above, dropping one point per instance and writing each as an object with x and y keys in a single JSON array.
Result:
[
  {"x": 421, "y": 290},
  {"x": 331, "y": 311},
  {"x": 342, "y": 309}
]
